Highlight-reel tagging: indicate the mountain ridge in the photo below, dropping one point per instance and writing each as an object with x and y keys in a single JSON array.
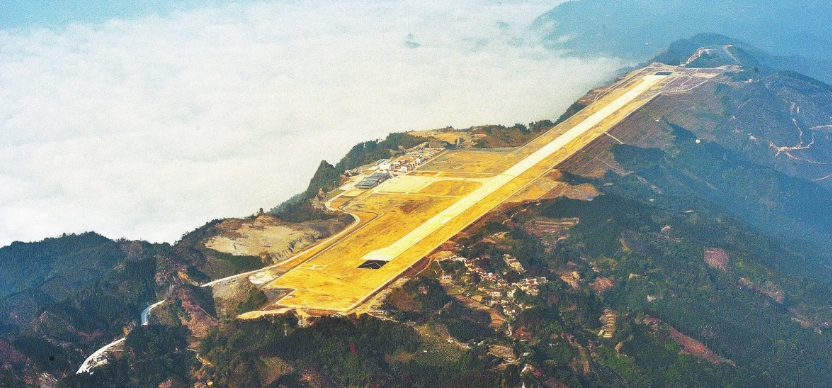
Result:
[
  {"x": 635, "y": 30},
  {"x": 677, "y": 249}
]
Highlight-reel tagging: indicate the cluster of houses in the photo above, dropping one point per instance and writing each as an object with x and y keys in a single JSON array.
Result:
[
  {"x": 387, "y": 168},
  {"x": 483, "y": 274},
  {"x": 531, "y": 286},
  {"x": 408, "y": 162},
  {"x": 500, "y": 292},
  {"x": 399, "y": 166}
]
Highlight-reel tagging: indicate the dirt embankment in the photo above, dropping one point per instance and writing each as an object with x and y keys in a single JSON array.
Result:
[
  {"x": 696, "y": 348},
  {"x": 190, "y": 306},
  {"x": 688, "y": 345},
  {"x": 270, "y": 238}
]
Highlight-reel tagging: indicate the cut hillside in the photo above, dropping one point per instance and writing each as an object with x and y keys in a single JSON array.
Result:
[
  {"x": 267, "y": 237},
  {"x": 686, "y": 246}
]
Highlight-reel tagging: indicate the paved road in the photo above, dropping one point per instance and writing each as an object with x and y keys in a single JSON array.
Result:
[
  {"x": 98, "y": 358},
  {"x": 146, "y": 311}
]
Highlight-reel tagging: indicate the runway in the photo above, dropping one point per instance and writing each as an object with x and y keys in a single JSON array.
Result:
[
  {"x": 492, "y": 185},
  {"x": 399, "y": 238}
]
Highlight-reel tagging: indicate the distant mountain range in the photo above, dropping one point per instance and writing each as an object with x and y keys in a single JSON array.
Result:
[
  {"x": 700, "y": 258},
  {"x": 799, "y": 32}
]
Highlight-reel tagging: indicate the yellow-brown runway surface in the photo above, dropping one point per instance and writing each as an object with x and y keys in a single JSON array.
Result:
[{"x": 416, "y": 213}]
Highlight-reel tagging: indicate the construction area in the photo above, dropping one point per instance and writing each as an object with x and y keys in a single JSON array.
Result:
[{"x": 403, "y": 216}]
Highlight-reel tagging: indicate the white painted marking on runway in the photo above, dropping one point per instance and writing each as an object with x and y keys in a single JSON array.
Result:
[{"x": 422, "y": 231}]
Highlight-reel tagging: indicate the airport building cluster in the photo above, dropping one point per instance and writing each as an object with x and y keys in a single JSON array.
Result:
[
  {"x": 388, "y": 168},
  {"x": 373, "y": 180}
]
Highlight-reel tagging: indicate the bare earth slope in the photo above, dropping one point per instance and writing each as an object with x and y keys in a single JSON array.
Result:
[{"x": 265, "y": 236}]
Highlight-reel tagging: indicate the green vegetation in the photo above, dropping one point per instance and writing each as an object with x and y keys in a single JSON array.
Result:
[
  {"x": 417, "y": 295},
  {"x": 77, "y": 258},
  {"x": 90, "y": 289},
  {"x": 9, "y": 380},
  {"x": 153, "y": 354},
  {"x": 500, "y": 136},
  {"x": 295, "y": 209},
  {"x": 46, "y": 356},
  {"x": 679, "y": 51},
  {"x": 328, "y": 177},
  {"x": 370, "y": 151},
  {"x": 627, "y": 297},
  {"x": 497, "y": 136},
  {"x": 814, "y": 82},
  {"x": 423, "y": 300},
  {"x": 736, "y": 322},
  {"x": 654, "y": 256},
  {"x": 362, "y": 351},
  {"x": 234, "y": 264},
  {"x": 689, "y": 173},
  {"x": 302, "y": 211},
  {"x": 647, "y": 235},
  {"x": 108, "y": 304},
  {"x": 253, "y": 300},
  {"x": 571, "y": 111}
]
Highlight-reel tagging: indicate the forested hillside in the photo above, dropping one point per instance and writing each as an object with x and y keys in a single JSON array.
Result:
[
  {"x": 637, "y": 30},
  {"x": 700, "y": 258}
]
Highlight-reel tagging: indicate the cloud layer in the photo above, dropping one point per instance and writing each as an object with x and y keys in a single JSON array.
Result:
[{"x": 148, "y": 128}]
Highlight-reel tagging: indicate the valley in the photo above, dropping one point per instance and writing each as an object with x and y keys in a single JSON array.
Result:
[{"x": 667, "y": 230}]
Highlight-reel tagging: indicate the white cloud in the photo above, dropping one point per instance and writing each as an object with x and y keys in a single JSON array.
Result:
[{"x": 148, "y": 128}]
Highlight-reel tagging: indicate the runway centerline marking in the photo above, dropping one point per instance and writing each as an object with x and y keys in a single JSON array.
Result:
[{"x": 422, "y": 231}]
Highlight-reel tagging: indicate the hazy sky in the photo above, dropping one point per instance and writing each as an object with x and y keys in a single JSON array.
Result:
[{"x": 145, "y": 121}]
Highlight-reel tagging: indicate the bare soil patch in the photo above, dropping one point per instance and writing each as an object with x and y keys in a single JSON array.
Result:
[
  {"x": 266, "y": 236},
  {"x": 716, "y": 258}
]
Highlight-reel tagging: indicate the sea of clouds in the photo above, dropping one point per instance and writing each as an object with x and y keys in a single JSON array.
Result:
[{"x": 147, "y": 128}]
